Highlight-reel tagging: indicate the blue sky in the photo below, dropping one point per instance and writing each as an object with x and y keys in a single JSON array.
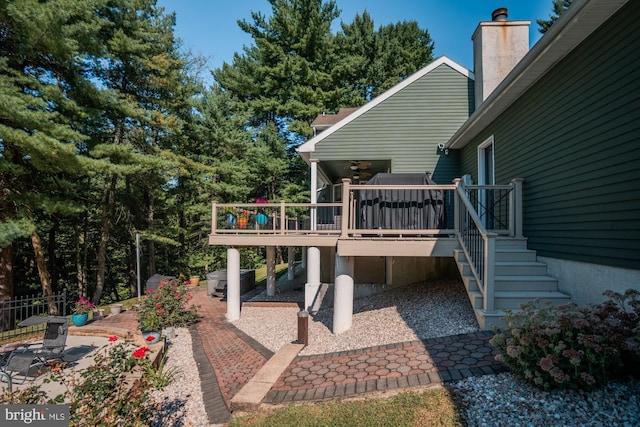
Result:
[{"x": 209, "y": 27}]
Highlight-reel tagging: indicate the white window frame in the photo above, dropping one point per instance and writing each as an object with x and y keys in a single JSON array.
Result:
[
  {"x": 482, "y": 154},
  {"x": 482, "y": 174}
]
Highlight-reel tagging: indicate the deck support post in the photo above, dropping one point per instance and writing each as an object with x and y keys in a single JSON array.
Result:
[
  {"x": 233, "y": 284},
  {"x": 343, "y": 295},
  {"x": 312, "y": 287},
  {"x": 303, "y": 263},
  {"x": 271, "y": 271},
  {"x": 388, "y": 270},
  {"x": 291, "y": 260}
]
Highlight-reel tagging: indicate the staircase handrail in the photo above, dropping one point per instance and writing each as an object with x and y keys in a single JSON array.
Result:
[{"x": 480, "y": 257}]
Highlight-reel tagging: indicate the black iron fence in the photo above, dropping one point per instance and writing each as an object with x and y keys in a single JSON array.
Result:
[{"x": 14, "y": 311}]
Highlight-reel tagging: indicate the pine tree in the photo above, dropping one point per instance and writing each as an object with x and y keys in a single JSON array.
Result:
[
  {"x": 559, "y": 7},
  {"x": 38, "y": 134}
]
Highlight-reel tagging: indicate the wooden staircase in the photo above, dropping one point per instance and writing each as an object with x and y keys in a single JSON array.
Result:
[{"x": 519, "y": 278}]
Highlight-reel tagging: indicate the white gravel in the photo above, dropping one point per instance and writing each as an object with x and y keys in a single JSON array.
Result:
[
  {"x": 504, "y": 400},
  {"x": 406, "y": 314},
  {"x": 181, "y": 402}
]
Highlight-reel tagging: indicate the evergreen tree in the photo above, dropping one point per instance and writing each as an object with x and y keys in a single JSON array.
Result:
[
  {"x": 38, "y": 134},
  {"x": 559, "y": 6},
  {"x": 297, "y": 68},
  {"x": 371, "y": 62}
]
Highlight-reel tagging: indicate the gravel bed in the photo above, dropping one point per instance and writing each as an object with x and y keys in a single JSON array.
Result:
[
  {"x": 505, "y": 401},
  {"x": 181, "y": 402},
  {"x": 436, "y": 309}
]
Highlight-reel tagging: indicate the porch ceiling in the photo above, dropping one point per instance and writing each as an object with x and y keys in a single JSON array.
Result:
[{"x": 336, "y": 170}]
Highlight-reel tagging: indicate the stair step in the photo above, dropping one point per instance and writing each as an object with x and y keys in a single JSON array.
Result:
[
  {"x": 512, "y": 300},
  {"x": 515, "y": 299},
  {"x": 516, "y": 283},
  {"x": 511, "y": 243},
  {"x": 515, "y": 255}
]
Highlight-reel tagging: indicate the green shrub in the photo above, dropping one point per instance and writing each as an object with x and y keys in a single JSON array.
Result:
[{"x": 572, "y": 347}]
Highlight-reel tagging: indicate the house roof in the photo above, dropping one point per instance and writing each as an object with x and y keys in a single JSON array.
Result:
[
  {"x": 324, "y": 121},
  {"x": 309, "y": 146},
  {"x": 571, "y": 29}
]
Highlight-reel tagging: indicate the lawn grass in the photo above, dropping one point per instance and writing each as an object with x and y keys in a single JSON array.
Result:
[
  {"x": 261, "y": 274},
  {"x": 432, "y": 407}
]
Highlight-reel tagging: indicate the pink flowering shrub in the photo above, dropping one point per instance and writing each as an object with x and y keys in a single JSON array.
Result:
[
  {"x": 168, "y": 305},
  {"x": 573, "y": 347}
]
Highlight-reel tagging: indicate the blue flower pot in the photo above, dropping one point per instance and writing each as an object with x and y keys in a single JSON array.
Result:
[
  {"x": 261, "y": 219},
  {"x": 151, "y": 337},
  {"x": 231, "y": 219},
  {"x": 79, "y": 319}
]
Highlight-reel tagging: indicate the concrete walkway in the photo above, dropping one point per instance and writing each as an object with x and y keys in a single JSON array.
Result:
[{"x": 235, "y": 373}]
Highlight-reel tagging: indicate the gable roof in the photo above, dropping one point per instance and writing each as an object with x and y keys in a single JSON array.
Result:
[
  {"x": 323, "y": 121},
  {"x": 571, "y": 29},
  {"x": 309, "y": 146}
]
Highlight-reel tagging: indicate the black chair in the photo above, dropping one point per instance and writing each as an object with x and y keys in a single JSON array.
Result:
[{"x": 27, "y": 359}]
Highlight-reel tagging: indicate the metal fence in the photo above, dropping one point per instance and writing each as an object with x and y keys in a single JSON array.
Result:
[{"x": 18, "y": 309}]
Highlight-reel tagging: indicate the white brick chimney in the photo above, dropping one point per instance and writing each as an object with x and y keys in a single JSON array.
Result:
[{"x": 498, "y": 45}]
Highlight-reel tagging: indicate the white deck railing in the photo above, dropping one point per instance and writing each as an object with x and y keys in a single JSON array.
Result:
[{"x": 483, "y": 213}]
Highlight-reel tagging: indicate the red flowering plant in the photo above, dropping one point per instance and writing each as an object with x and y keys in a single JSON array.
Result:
[
  {"x": 83, "y": 306},
  {"x": 166, "y": 306}
]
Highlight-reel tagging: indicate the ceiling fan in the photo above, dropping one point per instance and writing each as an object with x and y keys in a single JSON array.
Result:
[
  {"x": 357, "y": 165},
  {"x": 358, "y": 174}
]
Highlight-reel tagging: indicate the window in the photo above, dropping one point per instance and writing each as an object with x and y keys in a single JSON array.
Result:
[
  {"x": 486, "y": 176},
  {"x": 486, "y": 163}
]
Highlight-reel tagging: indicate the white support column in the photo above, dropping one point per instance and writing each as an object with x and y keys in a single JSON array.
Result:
[
  {"x": 233, "y": 284},
  {"x": 314, "y": 192},
  {"x": 343, "y": 295},
  {"x": 312, "y": 287},
  {"x": 291, "y": 259},
  {"x": 271, "y": 270}
]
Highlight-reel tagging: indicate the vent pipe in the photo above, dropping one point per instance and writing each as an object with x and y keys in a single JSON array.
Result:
[{"x": 499, "y": 14}]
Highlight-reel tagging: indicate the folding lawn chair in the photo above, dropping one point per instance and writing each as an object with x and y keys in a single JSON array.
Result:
[{"x": 27, "y": 359}]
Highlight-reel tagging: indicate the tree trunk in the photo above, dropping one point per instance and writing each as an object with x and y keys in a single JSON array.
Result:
[
  {"x": 108, "y": 203},
  {"x": 151, "y": 255},
  {"x": 47, "y": 292},
  {"x": 6, "y": 287},
  {"x": 81, "y": 259},
  {"x": 54, "y": 270}
]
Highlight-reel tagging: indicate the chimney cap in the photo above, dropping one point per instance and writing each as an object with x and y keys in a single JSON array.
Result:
[{"x": 499, "y": 14}]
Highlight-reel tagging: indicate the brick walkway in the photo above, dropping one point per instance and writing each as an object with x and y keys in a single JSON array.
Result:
[
  {"x": 227, "y": 359},
  {"x": 234, "y": 357},
  {"x": 385, "y": 368}
]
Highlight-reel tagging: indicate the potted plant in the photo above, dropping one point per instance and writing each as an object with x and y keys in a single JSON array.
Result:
[
  {"x": 230, "y": 216},
  {"x": 151, "y": 322},
  {"x": 81, "y": 310}
]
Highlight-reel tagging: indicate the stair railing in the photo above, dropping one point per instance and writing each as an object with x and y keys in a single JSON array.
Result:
[{"x": 478, "y": 245}]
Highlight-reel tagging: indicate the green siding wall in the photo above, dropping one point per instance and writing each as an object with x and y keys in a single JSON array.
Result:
[
  {"x": 407, "y": 127},
  {"x": 575, "y": 138}
]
